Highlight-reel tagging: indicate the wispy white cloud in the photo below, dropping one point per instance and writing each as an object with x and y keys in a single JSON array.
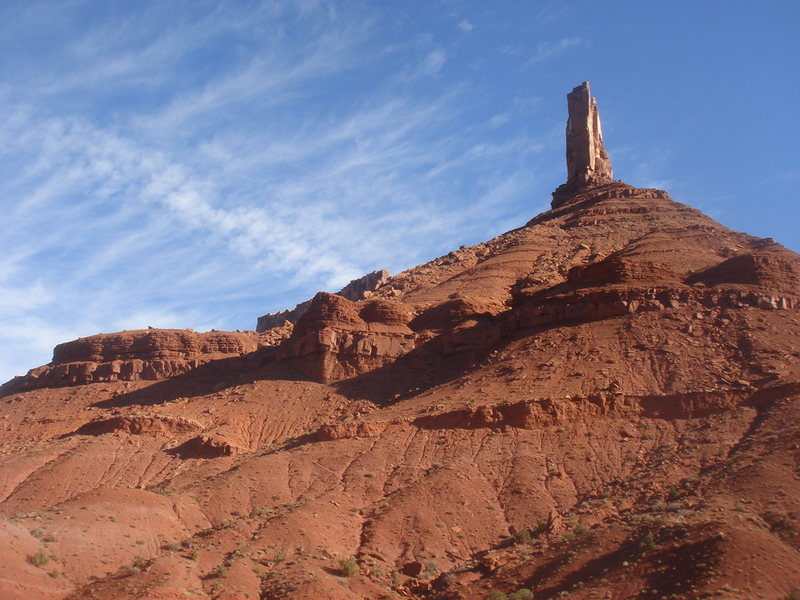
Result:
[
  {"x": 203, "y": 201},
  {"x": 498, "y": 120},
  {"x": 547, "y": 50},
  {"x": 434, "y": 62}
]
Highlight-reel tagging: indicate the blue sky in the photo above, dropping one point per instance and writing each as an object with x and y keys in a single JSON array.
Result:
[{"x": 196, "y": 164}]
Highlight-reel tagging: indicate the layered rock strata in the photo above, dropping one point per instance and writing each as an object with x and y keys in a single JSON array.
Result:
[
  {"x": 149, "y": 354},
  {"x": 336, "y": 339},
  {"x": 360, "y": 288}
]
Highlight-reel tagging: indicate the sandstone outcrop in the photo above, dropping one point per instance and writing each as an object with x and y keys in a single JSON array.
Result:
[
  {"x": 148, "y": 354},
  {"x": 333, "y": 340},
  {"x": 664, "y": 260},
  {"x": 587, "y": 159},
  {"x": 141, "y": 424},
  {"x": 588, "y": 162},
  {"x": 363, "y": 287},
  {"x": 212, "y": 446}
]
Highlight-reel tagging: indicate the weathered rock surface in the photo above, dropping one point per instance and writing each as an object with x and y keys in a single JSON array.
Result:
[
  {"x": 357, "y": 289},
  {"x": 148, "y": 354},
  {"x": 364, "y": 286},
  {"x": 141, "y": 424},
  {"x": 334, "y": 341},
  {"x": 588, "y": 163},
  {"x": 587, "y": 159}
]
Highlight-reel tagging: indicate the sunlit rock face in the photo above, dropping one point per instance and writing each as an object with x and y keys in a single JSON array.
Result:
[
  {"x": 588, "y": 163},
  {"x": 587, "y": 159}
]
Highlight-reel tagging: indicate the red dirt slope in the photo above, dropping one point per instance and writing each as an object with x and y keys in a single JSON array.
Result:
[{"x": 602, "y": 403}]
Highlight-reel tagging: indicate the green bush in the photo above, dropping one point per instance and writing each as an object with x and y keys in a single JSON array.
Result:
[
  {"x": 524, "y": 537},
  {"x": 521, "y": 594},
  {"x": 496, "y": 595},
  {"x": 348, "y": 566},
  {"x": 647, "y": 542},
  {"x": 673, "y": 493}
]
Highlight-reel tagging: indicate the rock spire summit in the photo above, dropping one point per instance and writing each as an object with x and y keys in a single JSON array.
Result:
[
  {"x": 587, "y": 159},
  {"x": 588, "y": 163}
]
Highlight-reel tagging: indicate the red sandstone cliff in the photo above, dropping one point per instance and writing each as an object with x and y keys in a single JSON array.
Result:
[{"x": 601, "y": 403}]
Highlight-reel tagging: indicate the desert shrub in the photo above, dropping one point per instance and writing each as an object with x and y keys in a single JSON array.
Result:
[
  {"x": 647, "y": 541},
  {"x": 673, "y": 493},
  {"x": 496, "y": 595},
  {"x": 54, "y": 573},
  {"x": 521, "y": 594},
  {"x": 348, "y": 566},
  {"x": 139, "y": 561},
  {"x": 524, "y": 537},
  {"x": 39, "y": 559},
  {"x": 431, "y": 569},
  {"x": 793, "y": 595},
  {"x": 540, "y": 528},
  {"x": 221, "y": 570},
  {"x": 580, "y": 529},
  {"x": 37, "y": 533}
]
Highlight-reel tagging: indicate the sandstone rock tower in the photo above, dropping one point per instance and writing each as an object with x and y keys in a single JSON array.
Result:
[
  {"x": 587, "y": 159},
  {"x": 588, "y": 162}
]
